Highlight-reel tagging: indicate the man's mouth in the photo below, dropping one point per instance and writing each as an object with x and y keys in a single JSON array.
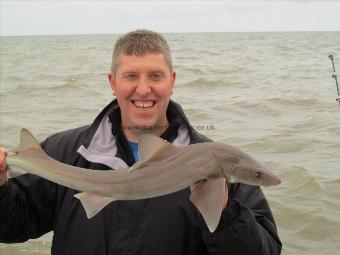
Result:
[{"x": 143, "y": 104}]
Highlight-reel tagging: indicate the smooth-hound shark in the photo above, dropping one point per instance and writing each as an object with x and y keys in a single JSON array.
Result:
[{"x": 163, "y": 168}]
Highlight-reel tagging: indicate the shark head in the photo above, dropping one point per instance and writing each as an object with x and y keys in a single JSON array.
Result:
[
  {"x": 259, "y": 175},
  {"x": 238, "y": 166}
]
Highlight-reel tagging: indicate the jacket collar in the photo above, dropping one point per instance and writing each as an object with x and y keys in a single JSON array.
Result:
[{"x": 101, "y": 145}]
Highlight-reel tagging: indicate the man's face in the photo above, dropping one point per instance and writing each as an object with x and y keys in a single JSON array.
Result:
[{"x": 143, "y": 86}]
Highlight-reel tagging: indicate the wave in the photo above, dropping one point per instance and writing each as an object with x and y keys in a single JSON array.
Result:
[{"x": 205, "y": 82}]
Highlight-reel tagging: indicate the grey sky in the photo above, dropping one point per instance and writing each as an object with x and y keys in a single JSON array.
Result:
[{"x": 95, "y": 17}]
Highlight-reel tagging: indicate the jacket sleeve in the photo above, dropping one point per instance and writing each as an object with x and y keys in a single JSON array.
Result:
[
  {"x": 27, "y": 206},
  {"x": 246, "y": 226},
  {"x": 28, "y": 203}
]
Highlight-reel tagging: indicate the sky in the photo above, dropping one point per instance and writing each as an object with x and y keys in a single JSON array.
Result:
[{"x": 27, "y": 17}]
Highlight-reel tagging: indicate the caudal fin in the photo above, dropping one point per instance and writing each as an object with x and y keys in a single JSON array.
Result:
[{"x": 27, "y": 140}]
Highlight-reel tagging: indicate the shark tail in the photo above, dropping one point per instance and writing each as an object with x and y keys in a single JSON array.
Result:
[{"x": 27, "y": 141}]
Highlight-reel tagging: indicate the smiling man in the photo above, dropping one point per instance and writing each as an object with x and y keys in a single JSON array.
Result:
[
  {"x": 142, "y": 79},
  {"x": 143, "y": 85}
]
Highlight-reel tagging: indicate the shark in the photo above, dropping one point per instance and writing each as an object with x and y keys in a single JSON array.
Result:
[{"x": 163, "y": 168}]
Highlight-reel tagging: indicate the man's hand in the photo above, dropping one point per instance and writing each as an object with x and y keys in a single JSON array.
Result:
[{"x": 3, "y": 167}]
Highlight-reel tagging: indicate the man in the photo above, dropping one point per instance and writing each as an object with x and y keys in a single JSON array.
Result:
[{"x": 142, "y": 79}]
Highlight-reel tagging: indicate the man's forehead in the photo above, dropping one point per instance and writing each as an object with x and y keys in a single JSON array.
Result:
[
  {"x": 154, "y": 62},
  {"x": 141, "y": 56}
]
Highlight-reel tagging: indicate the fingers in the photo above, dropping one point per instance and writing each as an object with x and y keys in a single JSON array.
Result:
[
  {"x": 3, "y": 174},
  {"x": 3, "y": 153}
]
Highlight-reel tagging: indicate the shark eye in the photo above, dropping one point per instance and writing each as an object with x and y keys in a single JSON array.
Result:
[{"x": 258, "y": 175}]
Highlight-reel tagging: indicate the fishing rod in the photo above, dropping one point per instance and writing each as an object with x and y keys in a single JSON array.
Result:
[{"x": 335, "y": 77}]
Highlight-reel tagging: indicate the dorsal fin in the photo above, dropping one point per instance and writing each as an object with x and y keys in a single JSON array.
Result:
[
  {"x": 148, "y": 147},
  {"x": 27, "y": 140}
]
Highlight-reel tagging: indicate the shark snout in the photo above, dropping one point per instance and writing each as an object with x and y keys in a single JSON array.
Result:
[
  {"x": 277, "y": 181},
  {"x": 273, "y": 180}
]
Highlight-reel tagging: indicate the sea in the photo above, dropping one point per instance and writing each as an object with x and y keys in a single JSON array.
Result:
[{"x": 271, "y": 94}]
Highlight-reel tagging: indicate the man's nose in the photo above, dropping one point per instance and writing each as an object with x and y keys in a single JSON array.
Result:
[{"x": 143, "y": 87}]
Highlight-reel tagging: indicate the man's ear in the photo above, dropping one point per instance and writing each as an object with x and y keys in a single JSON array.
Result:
[
  {"x": 173, "y": 80},
  {"x": 112, "y": 81}
]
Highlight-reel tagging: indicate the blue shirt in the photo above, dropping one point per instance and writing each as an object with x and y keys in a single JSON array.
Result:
[{"x": 134, "y": 148}]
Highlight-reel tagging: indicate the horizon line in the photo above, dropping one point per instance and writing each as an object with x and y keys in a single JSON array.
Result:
[{"x": 179, "y": 32}]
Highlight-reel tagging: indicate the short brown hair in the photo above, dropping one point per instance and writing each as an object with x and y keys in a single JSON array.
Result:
[{"x": 139, "y": 43}]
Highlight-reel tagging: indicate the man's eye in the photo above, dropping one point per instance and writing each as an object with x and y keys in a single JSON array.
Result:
[
  {"x": 131, "y": 76},
  {"x": 155, "y": 77}
]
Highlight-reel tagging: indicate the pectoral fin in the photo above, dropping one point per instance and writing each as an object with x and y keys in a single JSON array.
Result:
[
  {"x": 93, "y": 203},
  {"x": 209, "y": 198}
]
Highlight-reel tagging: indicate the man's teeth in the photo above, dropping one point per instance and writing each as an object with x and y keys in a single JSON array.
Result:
[{"x": 144, "y": 105}]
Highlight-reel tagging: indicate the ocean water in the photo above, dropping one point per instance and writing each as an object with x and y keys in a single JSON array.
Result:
[{"x": 271, "y": 94}]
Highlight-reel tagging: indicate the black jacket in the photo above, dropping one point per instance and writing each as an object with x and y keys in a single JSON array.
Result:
[{"x": 31, "y": 206}]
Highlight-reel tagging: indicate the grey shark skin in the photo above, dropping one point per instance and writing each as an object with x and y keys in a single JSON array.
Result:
[{"x": 163, "y": 168}]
